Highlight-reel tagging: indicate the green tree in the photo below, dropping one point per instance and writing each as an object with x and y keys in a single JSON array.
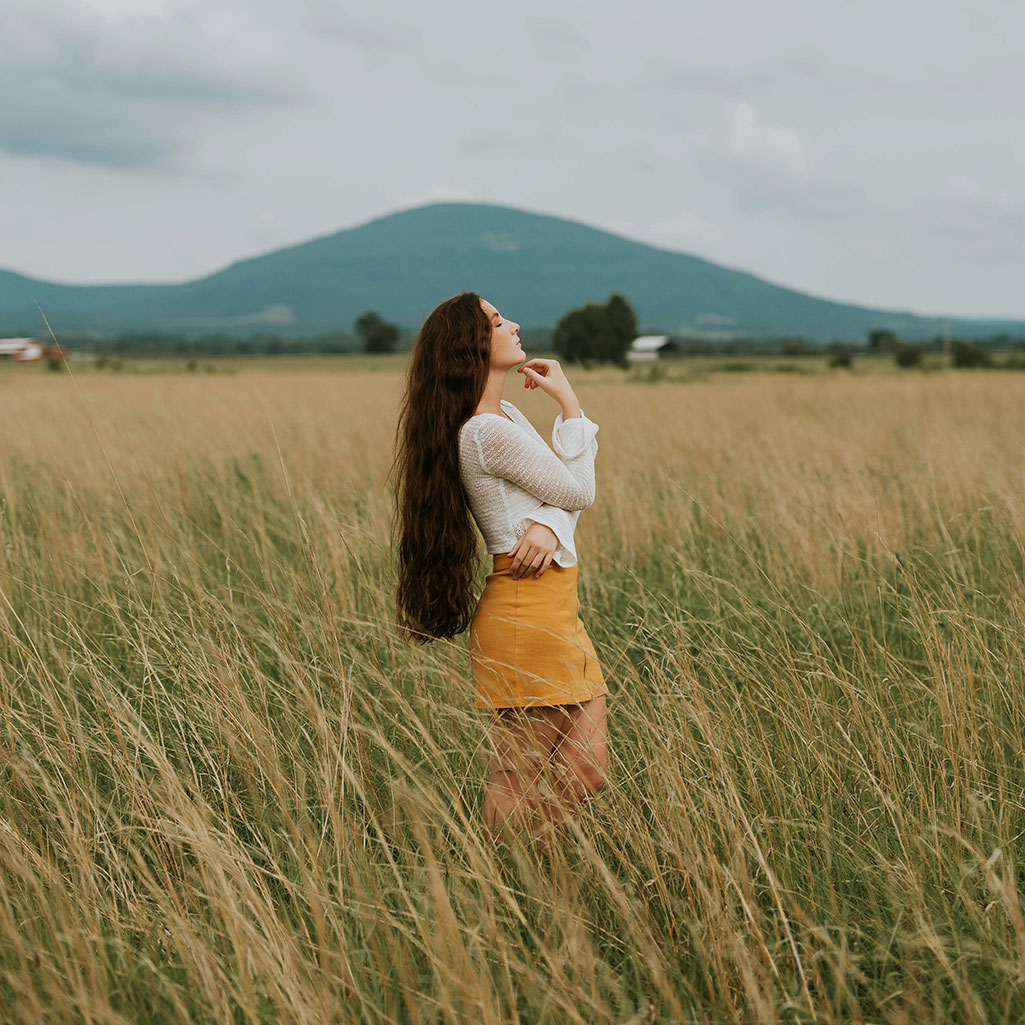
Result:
[
  {"x": 378, "y": 334},
  {"x": 599, "y": 332},
  {"x": 882, "y": 341},
  {"x": 966, "y": 354},
  {"x": 793, "y": 347},
  {"x": 907, "y": 355},
  {"x": 839, "y": 355},
  {"x": 623, "y": 322},
  {"x": 583, "y": 335}
]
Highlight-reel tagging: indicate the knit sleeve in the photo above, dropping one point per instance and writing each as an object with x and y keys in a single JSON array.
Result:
[
  {"x": 574, "y": 437},
  {"x": 560, "y": 521},
  {"x": 565, "y": 480}
]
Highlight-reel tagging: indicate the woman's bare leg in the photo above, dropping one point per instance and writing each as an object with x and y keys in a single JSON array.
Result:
[
  {"x": 580, "y": 755},
  {"x": 570, "y": 740},
  {"x": 524, "y": 740}
]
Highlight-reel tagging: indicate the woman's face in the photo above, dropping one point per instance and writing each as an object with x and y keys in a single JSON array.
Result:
[{"x": 506, "y": 351}]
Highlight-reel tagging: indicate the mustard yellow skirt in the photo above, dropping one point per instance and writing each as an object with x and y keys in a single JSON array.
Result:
[{"x": 528, "y": 645}]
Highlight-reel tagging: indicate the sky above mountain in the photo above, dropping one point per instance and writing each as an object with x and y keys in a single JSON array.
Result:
[{"x": 870, "y": 152}]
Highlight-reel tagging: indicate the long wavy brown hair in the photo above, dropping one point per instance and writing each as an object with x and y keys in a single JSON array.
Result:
[{"x": 437, "y": 543}]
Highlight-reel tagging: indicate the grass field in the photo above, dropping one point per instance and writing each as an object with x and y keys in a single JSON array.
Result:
[{"x": 230, "y": 793}]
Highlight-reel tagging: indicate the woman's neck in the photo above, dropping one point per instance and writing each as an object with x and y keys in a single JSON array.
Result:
[{"x": 491, "y": 400}]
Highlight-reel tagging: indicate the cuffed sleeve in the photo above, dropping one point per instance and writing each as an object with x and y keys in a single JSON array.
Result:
[{"x": 574, "y": 437}]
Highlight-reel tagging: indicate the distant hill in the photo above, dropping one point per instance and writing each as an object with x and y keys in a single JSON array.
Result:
[{"x": 533, "y": 267}]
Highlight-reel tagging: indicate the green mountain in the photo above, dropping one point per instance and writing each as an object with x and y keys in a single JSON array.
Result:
[{"x": 533, "y": 267}]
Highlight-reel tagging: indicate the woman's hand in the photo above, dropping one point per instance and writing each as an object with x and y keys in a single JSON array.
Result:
[
  {"x": 533, "y": 551},
  {"x": 547, "y": 375}
]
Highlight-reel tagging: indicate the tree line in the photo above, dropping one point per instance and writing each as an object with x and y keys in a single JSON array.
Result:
[
  {"x": 593, "y": 333},
  {"x": 371, "y": 333}
]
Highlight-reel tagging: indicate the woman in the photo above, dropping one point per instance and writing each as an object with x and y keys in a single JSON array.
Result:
[{"x": 465, "y": 455}]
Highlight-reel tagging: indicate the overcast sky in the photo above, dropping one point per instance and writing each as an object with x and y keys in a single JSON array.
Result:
[{"x": 871, "y": 151}]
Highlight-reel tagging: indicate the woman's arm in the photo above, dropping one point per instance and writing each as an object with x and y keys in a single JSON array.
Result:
[{"x": 507, "y": 451}]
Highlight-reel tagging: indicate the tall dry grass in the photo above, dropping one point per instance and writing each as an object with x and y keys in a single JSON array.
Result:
[{"x": 230, "y": 793}]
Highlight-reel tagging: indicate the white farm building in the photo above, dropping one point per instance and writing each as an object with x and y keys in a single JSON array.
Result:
[
  {"x": 24, "y": 349},
  {"x": 648, "y": 347}
]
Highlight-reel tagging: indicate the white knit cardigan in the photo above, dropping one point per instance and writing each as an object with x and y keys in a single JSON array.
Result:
[{"x": 512, "y": 478}]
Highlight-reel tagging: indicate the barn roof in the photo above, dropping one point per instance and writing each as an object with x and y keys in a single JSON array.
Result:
[{"x": 649, "y": 343}]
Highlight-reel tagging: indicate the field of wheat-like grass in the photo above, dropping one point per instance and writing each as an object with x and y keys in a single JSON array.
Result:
[{"x": 230, "y": 793}]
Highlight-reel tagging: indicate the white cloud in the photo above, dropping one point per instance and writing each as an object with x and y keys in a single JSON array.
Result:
[
  {"x": 131, "y": 88},
  {"x": 980, "y": 226},
  {"x": 767, "y": 169},
  {"x": 759, "y": 189},
  {"x": 749, "y": 137},
  {"x": 371, "y": 34}
]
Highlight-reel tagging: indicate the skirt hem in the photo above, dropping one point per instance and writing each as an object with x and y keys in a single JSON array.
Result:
[{"x": 575, "y": 699}]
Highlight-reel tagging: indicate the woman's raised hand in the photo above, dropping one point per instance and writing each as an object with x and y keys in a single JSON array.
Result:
[{"x": 547, "y": 375}]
